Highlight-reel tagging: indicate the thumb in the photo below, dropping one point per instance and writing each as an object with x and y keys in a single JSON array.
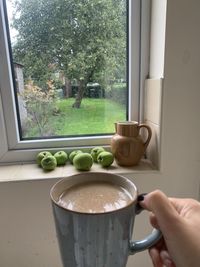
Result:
[{"x": 165, "y": 213}]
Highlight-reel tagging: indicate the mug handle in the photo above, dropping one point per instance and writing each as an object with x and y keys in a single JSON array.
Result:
[{"x": 148, "y": 241}]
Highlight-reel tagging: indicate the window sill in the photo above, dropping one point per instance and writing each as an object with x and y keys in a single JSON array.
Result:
[{"x": 30, "y": 172}]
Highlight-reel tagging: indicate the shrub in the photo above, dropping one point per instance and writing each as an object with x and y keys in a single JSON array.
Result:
[
  {"x": 40, "y": 105},
  {"x": 118, "y": 93}
]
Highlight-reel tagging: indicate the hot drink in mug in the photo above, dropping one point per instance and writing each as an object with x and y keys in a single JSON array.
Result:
[
  {"x": 95, "y": 197},
  {"x": 94, "y": 216}
]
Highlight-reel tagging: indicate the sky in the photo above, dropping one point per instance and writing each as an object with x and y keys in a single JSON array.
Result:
[{"x": 13, "y": 32}]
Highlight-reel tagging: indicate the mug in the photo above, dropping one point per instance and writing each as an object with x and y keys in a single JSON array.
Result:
[{"x": 101, "y": 239}]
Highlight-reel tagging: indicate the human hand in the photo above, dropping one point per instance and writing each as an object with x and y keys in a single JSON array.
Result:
[{"x": 179, "y": 222}]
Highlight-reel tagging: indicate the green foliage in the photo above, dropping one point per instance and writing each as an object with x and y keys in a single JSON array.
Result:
[
  {"x": 79, "y": 121},
  {"x": 40, "y": 105},
  {"x": 118, "y": 93},
  {"x": 86, "y": 39},
  {"x": 119, "y": 86}
]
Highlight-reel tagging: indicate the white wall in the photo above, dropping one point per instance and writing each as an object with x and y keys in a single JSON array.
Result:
[
  {"x": 157, "y": 40},
  {"x": 180, "y": 138},
  {"x": 26, "y": 224}
]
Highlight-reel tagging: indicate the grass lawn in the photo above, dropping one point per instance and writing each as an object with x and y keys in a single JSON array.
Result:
[{"x": 95, "y": 116}]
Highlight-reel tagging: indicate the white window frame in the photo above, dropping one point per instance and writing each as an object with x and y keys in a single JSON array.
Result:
[{"x": 12, "y": 149}]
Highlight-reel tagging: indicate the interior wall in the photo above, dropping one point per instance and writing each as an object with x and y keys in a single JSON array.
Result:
[
  {"x": 26, "y": 226},
  {"x": 180, "y": 128},
  {"x": 157, "y": 40}
]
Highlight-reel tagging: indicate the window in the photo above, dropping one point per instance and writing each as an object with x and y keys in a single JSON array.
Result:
[{"x": 68, "y": 71}]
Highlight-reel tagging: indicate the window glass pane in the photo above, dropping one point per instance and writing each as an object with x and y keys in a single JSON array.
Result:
[{"x": 69, "y": 61}]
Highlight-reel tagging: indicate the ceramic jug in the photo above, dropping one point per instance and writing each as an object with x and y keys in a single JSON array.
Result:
[{"x": 127, "y": 145}]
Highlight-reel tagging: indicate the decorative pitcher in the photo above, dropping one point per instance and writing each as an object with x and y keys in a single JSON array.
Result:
[{"x": 127, "y": 144}]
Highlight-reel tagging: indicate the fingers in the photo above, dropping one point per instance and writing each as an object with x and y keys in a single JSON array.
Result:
[
  {"x": 166, "y": 216},
  {"x": 153, "y": 221},
  {"x": 155, "y": 257},
  {"x": 160, "y": 258},
  {"x": 166, "y": 259}
]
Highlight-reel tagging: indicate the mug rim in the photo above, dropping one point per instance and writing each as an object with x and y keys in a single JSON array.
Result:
[{"x": 125, "y": 179}]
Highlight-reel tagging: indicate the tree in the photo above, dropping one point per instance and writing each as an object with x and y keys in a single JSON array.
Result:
[{"x": 86, "y": 39}]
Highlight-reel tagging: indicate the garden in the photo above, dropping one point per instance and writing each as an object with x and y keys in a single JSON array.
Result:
[
  {"x": 53, "y": 115},
  {"x": 70, "y": 67}
]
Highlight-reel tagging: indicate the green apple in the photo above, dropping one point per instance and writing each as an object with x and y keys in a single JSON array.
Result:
[
  {"x": 73, "y": 154},
  {"x": 61, "y": 157},
  {"x": 96, "y": 151},
  {"x": 105, "y": 159},
  {"x": 41, "y": 155},
  {"x": 49, "y": 163},
  {"x": 83, "y": 161}
]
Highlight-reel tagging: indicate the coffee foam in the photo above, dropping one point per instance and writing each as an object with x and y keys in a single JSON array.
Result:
[{"x": 95, "y": 197}]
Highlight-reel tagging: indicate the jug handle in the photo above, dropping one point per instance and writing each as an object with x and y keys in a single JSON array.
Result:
[
  {"x": 115, "y": 126},
  {"x": 149, "y": 133}
]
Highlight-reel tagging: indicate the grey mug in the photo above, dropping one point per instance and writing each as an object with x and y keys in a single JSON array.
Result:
[{"x": 98, "y": 239}]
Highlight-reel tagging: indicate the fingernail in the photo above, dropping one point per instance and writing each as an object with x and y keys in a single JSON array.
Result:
[{"x": 141, "y": 197}]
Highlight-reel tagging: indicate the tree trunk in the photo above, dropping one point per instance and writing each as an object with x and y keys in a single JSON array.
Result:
[
  {"x": 79, "y": 96},
  {"x": 67, "y": 92},
  {"x": 81, "y": 89}
]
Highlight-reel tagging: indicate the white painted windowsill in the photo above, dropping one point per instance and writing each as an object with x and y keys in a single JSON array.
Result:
[{"x": 30, "y": 172}]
